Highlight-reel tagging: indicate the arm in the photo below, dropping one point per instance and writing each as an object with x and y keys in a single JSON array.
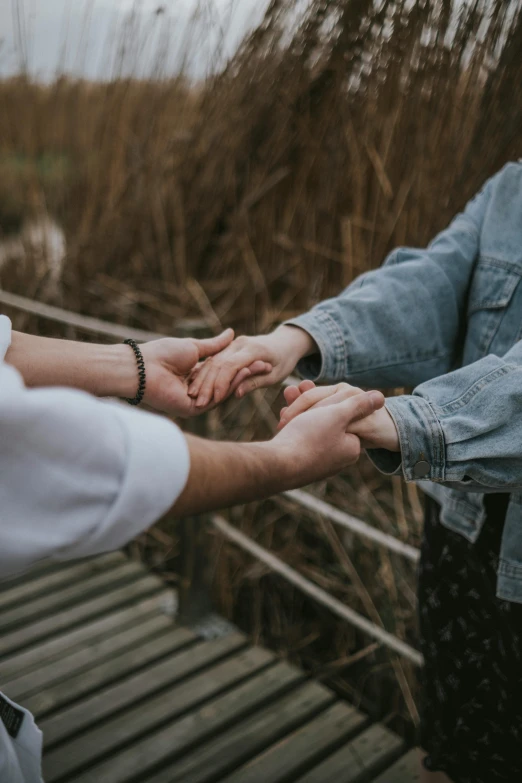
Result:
[
  {"x": 111, "y": 371},
  {"x": 466, "y": 427},
  {"x": 311, "y": 448},
  {"x": 463, "y": 429},
  {"x": 396, "y": 326},
  {"x": 399, "y": 325}
]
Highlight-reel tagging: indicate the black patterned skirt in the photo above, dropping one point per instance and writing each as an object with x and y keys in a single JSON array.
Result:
[{"x": 471, "y": 714}]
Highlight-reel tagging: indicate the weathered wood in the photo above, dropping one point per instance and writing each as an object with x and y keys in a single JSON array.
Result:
[
  {"x": 27, "y": 590},
  {"x": 214, "y": 756},
  {"x": 134, "y": 688},
  {"x": 115, "y": 668},
  {"x": 69, "y": 595},
  {"x": 168, "y": 704},
  {"x": 91, "y": 655},
  {"x": 365, "y": 755},
  {"x": 298, "y": 751},
  {"x": 406, "y": 770},
  {"x": 72, "y": 617},
  {"x": 252, "y": 735},
  {"x": 124, "y": 695},
  {"x": 70, "y": 641}
]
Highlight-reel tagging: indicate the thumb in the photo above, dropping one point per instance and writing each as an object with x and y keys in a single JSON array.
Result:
[
  {"x": 360, "y": 406},
  {"x": 213, "y": 345}
]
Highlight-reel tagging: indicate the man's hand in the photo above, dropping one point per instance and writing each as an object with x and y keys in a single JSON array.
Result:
[
  {"x": 321, "y": 441},
  {"x": 220, "y": 376},
  {"x": 311, "y": 447},
  {"x": 377, "y": 431},
  {"x": 169, "y": 363}
]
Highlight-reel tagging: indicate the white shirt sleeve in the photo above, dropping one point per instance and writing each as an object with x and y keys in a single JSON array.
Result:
[{"x": 78, "y": 476}]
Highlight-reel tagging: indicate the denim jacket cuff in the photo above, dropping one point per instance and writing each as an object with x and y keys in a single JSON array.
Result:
[
  {"x": 421, "y": 438},
  {"x": 330, "y": 364}
]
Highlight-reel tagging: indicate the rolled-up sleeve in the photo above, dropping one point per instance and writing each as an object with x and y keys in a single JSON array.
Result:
[{"x": 78, "y": 476}]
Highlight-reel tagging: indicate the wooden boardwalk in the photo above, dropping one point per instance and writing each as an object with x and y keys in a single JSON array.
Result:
[{"x": 123, "y": 694}]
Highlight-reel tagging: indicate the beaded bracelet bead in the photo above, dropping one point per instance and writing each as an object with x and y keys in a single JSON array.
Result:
[{"x": 141, "y": 373}]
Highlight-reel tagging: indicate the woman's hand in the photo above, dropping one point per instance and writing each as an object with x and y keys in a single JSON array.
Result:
[
  {"x": 278, "y": 354},
  {"x": 377, "y": 431},
  {"x": 169, "y": 364}
]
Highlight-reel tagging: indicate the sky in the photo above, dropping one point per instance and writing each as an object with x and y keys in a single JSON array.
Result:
[{"x": 84, "y": 37}]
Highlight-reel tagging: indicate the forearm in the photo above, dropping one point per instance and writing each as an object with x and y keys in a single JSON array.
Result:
[
  {"x": 399, "y": 325},
  {"x": 102, "y": 370},
  {"x": 227, "y": 474}
]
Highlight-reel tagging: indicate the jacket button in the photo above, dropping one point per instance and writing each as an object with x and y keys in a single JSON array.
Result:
[{"x": 421, "y": 469}]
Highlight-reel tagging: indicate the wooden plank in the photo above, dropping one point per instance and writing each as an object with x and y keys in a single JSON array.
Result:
[
  {"x": 36, "y": 571},
  {"x": 70, "y": 641},
  {"x": 73, "y": 616},
  {"x": 90, "y": 655},
  {"x": 216, "y": 757},
  {"x": 296, "y": 752},
  {"x": 66, "y": 575},
  {"x": 69, "y": 595},
  {"x": 142, "y": 653},
  {"x": 406, "y": 770},
  {"x": 153, "y": 679},
  {"x": 365, "y": 755},
  {"x": 169, "y": 703}
]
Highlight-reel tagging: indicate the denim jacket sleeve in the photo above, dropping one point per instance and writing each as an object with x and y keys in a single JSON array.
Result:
[
  {"x": 399, "y": 325},
  {"x": 464, "y": 427}
]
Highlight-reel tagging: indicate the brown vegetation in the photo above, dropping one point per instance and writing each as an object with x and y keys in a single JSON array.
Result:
[{"x": 248, "y": 198}]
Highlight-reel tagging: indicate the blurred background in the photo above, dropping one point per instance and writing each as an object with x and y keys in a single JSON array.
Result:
[{"x": 236, "y": 162}]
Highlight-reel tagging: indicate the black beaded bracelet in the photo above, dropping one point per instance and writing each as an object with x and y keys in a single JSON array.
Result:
[{"x": 141, "y": 373}]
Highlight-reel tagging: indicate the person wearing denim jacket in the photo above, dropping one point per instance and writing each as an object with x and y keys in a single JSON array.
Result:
[{"x": 447, "y": 322}]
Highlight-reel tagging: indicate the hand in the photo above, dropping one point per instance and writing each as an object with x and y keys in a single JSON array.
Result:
[
  {"x": 320, "y": 442},
  {"x": 278, "y": 352},
  {"x": 168, "y": 365},
  {"x": 377, "y": 431}
]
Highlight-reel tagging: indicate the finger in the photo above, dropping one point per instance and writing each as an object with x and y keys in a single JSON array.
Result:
[
  {"x": 305, "y": 386},
  {"x": 308, "y": 400},
  {"x": 213, "y": 345},
  {"x": 256, "y": 368},
  {"x": 353, "y": 449},
  {"x": 256, "y": 382},
  {"x": 206, "y": 391},
  {"x": 228, "y": 371},
  {"x": 291, "y": 394},
  {"x": 359, "y": 407},
  {"x": 197, "y": 383}
]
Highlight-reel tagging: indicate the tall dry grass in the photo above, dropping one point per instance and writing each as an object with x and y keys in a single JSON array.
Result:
[{"x": 322, "y": 145}]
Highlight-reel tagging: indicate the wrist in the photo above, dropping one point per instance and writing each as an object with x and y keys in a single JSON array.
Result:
[
  {"x": 298, "y": 342},
  {"x": 117, "y": 374}
]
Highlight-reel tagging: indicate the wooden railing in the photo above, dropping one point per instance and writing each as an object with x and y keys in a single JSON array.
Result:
[{"x": 194, "y": 593}]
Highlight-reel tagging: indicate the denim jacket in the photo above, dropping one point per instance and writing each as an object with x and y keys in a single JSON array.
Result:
[{"x": 446, "y": 320}]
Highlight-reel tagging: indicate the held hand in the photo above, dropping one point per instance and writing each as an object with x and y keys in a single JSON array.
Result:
[
  {"x": 320, "y": 442},
  {"x": 278, "y": 353},
  {"x": 169, "y": 363},
  {"x": 377, "y": 431}
]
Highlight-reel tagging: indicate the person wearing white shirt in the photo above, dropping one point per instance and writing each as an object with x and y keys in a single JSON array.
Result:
[{"x": 80, "y": 476}]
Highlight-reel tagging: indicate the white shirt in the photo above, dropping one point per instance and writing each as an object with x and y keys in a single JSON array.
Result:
[{"x": 78, "y": 476}]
